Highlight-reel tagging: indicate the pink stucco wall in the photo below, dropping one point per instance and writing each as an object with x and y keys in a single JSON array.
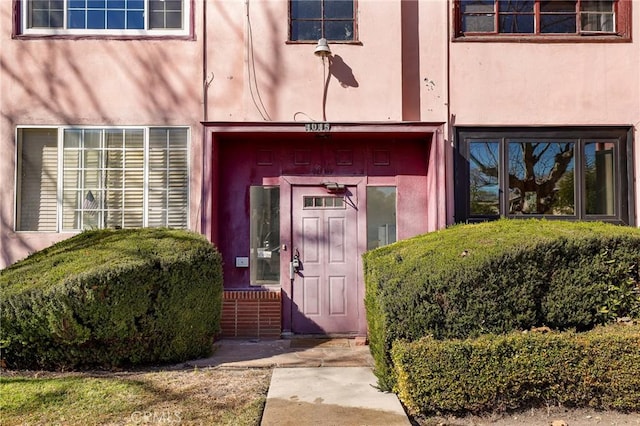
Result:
[
  {"x": 545, "y": 84},
  {"x": 247, "y": 52},
  {"x": 406, "y": 67},
  {"x": 243, "y": 57},
  {"x": 96, "y": 82}
]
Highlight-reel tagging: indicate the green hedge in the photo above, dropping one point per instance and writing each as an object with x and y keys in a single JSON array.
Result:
[
  {"x": 112, "y": 298},
  {"x": 599, "y": 369},
  {"x": 496, "y": 277}
]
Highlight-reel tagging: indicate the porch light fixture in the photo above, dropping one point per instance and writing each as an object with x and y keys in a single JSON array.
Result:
[
  {"x": 322, "y": 49},
  {"x": 334, "y": 186}
]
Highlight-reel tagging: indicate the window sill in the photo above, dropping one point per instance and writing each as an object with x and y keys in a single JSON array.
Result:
[
  {"x": 351, "y": 42},
  {"x": 524, "y": 38}
]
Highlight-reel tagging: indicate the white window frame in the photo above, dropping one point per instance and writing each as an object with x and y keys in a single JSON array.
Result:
[
  {"x": 60, "y": 172},
  {"x": 184, "y": 31}
]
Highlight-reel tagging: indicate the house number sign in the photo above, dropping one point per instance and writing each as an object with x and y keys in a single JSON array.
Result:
[{"x": 317, "y": 127}]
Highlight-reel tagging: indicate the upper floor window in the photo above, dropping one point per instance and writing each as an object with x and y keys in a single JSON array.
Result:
[
  {"x": 105, "y": 17},
  {"x": 311, "y": 20},
  {"x": 521, "y": 18},
  {"x": 579, "y": 174}
]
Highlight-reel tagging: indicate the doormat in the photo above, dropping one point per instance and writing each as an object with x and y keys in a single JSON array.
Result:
[{"x": 319, "y": 343}]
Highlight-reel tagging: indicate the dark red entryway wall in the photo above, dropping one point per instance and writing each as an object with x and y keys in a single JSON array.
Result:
[
  {"x": 237, "y": 156},
  {"x": 247, "y": 160}
]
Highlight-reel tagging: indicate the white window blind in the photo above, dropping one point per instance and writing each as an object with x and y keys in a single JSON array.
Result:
[
  {"x": 111, "y": 178},
  {"x": 168, "y": 177},
  {"x": 37, "y": 180}
]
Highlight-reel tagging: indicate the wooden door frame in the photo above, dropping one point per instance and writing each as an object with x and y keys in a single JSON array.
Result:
[{"x": 286, "y": 188}]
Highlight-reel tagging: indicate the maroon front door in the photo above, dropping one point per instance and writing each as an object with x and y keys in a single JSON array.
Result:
[{"x": 324, "y": 240}]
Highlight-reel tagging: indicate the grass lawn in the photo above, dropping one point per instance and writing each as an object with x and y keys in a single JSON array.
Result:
[{"x": 200, "y": 396}]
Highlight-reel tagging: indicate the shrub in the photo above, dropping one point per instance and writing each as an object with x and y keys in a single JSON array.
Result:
[
  {"x": 496, "y": 277},
  {"x": 600, "y": 369},
  {"x": 112, "y": 298}
]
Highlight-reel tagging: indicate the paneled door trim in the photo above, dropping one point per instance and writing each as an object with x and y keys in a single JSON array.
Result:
[{"x": 357, "y": 188}]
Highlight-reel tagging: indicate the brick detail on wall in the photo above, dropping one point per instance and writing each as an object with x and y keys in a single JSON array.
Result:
[{"x": 251, "y": 314}]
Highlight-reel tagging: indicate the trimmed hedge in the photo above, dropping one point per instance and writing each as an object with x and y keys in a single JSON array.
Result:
[
  {"x": 599, "y": 369},
  {"x": 496, "y": 277},
  {"x": 112, "y": 298}
]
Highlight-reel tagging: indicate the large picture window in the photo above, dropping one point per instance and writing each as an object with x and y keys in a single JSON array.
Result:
[
  {"x": 311, "y": 20},
  {"x": 90, "y": 178},
  {"x": 563, "y": 173},
  {"x": 109, "y": 17},
  {"x": 521, "y": 18}
]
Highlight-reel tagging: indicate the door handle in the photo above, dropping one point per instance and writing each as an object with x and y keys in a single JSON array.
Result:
[{"x": 295, "y": 265}]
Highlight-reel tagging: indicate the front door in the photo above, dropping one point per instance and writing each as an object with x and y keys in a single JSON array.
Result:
[{"x": 324, "y": 240}]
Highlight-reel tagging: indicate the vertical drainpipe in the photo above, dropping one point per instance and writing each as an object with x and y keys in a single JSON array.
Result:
[
  {"x": 448, "y": 154},
  {"x": 205, "y": 80},
  {"x": 410, "y": 60},
  {"x": 205, "y": 176}
]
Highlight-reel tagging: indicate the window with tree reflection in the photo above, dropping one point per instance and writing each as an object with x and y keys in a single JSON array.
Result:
[
  {"x": 483, "y": 178},
  {"x": 571, "y": 174},
  {"x": 537, "y": 172}
]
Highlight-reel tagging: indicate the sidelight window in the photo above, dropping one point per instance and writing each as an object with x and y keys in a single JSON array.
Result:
[
  {"x": 265, "y": 235},
  {"x": 381, "y": 216}
]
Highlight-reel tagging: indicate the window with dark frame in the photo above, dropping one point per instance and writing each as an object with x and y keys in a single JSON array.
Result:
[
  {"x": 572, "y": 174},
  {"x": 521, "y": 18},
  {"x": 311, "y": 20}
]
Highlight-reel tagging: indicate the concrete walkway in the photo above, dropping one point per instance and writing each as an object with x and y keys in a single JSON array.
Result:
[{"x": 314, "y": 381}]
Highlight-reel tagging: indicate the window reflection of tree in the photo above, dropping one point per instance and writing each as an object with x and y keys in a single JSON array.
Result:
[
  {"x": 537, "y": 172},
  {"x": 483, "y": 179}
]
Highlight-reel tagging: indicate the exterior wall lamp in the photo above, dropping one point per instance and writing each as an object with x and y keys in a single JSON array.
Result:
[
  {"x": 322, "y": 48},
  {"x": 334, "y": 186}
]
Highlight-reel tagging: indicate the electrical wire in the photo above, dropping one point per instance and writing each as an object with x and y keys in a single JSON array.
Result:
[
  {"x": 251, "y": 71},
  {"x": 325, "y": 80},
  {"x": 304, "y": 113}
]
